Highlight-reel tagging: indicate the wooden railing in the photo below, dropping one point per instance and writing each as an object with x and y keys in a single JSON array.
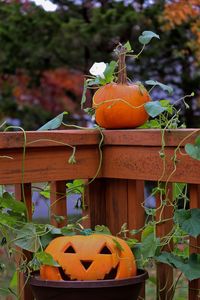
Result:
[{"x": 130, "y": 157}]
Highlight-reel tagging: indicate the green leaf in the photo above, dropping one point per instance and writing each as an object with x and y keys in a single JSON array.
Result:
[
  {"x": 5, "y": 219},
  {"x": 67, "y": 231},
  {"x": 76, "y": 187},
  {"x": 46, "y": 259},
  {"x": 54, "y": 123},
  {"x": 7, "y": 201},
  {"x": 194, "y": 150},
  {"x": 149, "y": 242},
  {"x": 102, "y": 229},
  {"x": 154, "y": 108},
  {"x": 109, "y": 71},
  {"x": 188, "y": 220},
  {"x": 14, "y": 281},
  {"x": 178, "y": 188},
  {"x": 164, "y": 87},
  {"x": 118, "y": 245},
  {"x": 128, "y": 46},
  {"x": 190, "y": 267},
  {"x": 83, "y": 99},
  {"x": 27, "y": 238},
  {"x": 146, "y": 37}
]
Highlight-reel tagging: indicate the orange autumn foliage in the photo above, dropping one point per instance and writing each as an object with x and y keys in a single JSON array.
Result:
[
  {"x": 58, "y": 90},
  {"x": 185, "y": 11}
]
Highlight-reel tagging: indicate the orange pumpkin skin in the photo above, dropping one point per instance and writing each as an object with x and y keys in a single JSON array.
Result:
[
  {"x": 127, "y": 108},
  {"x": 91, "y": 257}
]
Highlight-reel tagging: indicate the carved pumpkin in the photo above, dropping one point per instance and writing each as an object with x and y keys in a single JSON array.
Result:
[
  {"x": 121, "y": 105},
  {"x": 90, "y": 257}
]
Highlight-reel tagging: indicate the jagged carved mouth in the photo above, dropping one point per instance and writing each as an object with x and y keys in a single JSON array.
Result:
[{"x": 111, "y": 275}]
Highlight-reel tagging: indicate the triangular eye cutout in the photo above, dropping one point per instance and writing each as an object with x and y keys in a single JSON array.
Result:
[
  {"x": 70, "y": 249},
  {"x": 105, "y": 250}
]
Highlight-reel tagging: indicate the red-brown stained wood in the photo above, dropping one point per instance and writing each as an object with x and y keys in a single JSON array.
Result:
[
  {"x": 116, "y": 204},
  {"x": 48, "y": 164},
  {"x": 95, "y": 203},
  {"x": 58, "y": 206},
  {"x": 144, "y": 163},
  {"x": 194, "y": 286},
  {"x": 164, "y": 272},
  {"x": 136, "y": 213},
  {"x": 24, "y": 193}
]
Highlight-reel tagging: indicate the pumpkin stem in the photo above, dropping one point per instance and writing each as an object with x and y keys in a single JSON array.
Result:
[{"x": 122, "y": 76}]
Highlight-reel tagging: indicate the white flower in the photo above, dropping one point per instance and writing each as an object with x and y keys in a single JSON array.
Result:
[{"x": 98, "y": 69}]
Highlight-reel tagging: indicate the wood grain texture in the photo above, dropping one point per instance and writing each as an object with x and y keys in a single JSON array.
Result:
[
  {"x": 194, "y": 285},
  {"x": 58, "y": 205},
  {"x": 48, "y": 164},
  {"x": 96, "y": 203},
  {"x": 116, "y": 204},
  {"x": 144, "y": 163},
  {"x": 135, "y": 209}
]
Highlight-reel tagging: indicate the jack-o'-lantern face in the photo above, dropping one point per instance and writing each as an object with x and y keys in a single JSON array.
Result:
[{"x": 91, "y": 257}]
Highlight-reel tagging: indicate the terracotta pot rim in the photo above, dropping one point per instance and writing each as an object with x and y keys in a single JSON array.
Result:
[{"x": 141, "y": 276}]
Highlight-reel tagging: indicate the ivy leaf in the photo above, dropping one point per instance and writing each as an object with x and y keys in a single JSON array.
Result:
[
  {"x": 77, "y": 186},
  {"x": 164, "y": 87},
  {"x": 102, "y": 229},
  {"x": 83, "y": 99},
  {"x": 188, "y": 220},
  {"x": 27, "y": 238},
  {"x": 128, "y": 46},
  {"x": 118, "y": 245},
  {"x": 149, "y": 242},
  {"x": 190, "y": 267},
  {"x": 146, "y": 37},
  {"x": 7, "y": 201},
  {"x": 194, "y": 150},
  {"x": 178, "y": 188},
  {"x": 154, "y": 108},
  {"x": 46, "y": 259},
  {"x": 109, "y": 71},
  {"x": 54, "y": 123}
]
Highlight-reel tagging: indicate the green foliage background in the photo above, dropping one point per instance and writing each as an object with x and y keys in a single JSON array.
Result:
[{"x": 79, "y": 33}]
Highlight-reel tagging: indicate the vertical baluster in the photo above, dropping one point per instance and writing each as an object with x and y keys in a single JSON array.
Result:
[
  {"x": 116, "y": 204},
  {"x": 58, "y": 202},
  {"x": 136, "y": 214},
  {"x": 194, "y": 285},
  {"x": 95, "y": 200},
  {"x": 24, "y": 290},
  {"x": 165, "y": 272}
]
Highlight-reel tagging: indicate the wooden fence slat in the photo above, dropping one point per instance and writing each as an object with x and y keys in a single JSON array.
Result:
[
  {"x": 194, "y": 285},
  {"x": 164, "y": 271},
  {"x": 116, "y": 204},
  {"x": 95, "y": 199},
  {"x": 24, "y": 289},
  {"x": 136, "y": 213},
  {"x": 58, "y": 205}
]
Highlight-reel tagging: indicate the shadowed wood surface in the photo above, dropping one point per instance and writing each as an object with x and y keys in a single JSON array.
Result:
[{"x": 130, "y": 157}]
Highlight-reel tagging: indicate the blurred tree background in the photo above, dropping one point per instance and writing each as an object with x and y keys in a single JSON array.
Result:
[{"x": 44, "y": 55}]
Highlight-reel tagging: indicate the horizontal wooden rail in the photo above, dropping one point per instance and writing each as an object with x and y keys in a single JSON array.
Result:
[{"x": 116, "y": 196}]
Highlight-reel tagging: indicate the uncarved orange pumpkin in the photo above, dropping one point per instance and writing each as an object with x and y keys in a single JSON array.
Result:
[
  {"x": 120, "y": 105},
  {"x": 92, "y": 257}
]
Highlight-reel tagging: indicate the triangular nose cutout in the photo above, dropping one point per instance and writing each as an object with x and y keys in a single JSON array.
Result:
[{"x": 86, "y": 263}]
